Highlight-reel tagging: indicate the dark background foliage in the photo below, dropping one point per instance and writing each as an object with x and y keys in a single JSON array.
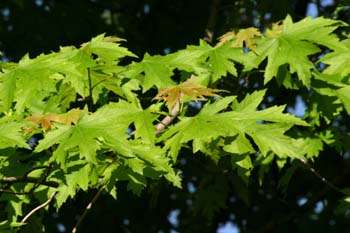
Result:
[{"x": 211, "y": 197}]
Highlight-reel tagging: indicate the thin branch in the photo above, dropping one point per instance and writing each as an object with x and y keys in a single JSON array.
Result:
[
  {"x": 27, "y": 179},
  {"x": 38, "y": 207},
  {"x": 168, "y": 119},
  {"x": 13, "y": 192},
  {"x": 318, "y": 175},
  {"x": 209, "y": 31},
  {"x": 88, "y": 207}
]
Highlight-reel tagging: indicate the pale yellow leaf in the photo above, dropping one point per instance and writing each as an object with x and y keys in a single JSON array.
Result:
[
  {"x": 224, "y": 38},
  {"x": 188, "y": 88},
  {"x": 246, "y": 36},
  {"x": 275, "y": 31}
]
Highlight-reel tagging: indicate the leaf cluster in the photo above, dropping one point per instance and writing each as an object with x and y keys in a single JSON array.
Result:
[{"x": 76, "y": 119}]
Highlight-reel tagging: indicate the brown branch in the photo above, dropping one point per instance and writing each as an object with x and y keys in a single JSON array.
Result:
[
  {"x": 27, "y": 179},
  {"x": 168, "y": 119},
  {"x": 209, "y": 31},
  {"x": 88, "y": 207},
  {"x": 38, "y": 207}
]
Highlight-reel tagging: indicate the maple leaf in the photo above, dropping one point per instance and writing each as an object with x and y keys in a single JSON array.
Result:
[
  {"x": 338, "y": 60},
  {"x": 11, "y": 133},
  {"x": 156, "y": 72},
  {"x": 189, "y": 88},
  {"x": 106, "y": 48},
  {"x": 275, "y": 31},
  {"x": 224, "y": 38},
  {"x": 46, "y": 122},
  {"x": 218, "y": 59},
  {"x": 279, "y": 48},
  {"x": 211, "y": 124},
  {"x": 245, "y": 37}
]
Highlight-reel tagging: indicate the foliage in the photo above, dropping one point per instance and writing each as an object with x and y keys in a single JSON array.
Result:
[{"x": 84, "y": 118}]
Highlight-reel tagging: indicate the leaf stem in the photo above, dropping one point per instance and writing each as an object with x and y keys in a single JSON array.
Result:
[{"x": 90, "y": 101}]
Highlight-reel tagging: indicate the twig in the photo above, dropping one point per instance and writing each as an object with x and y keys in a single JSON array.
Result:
[
  {"x": 318, "y": 175},
  {"x": 88, "y": 207},
  {"x": 13, "y": 192},
  {"x": 209, "y": 31},
  {"x": 168, "y": 119},
  {"x": 39, "y": 207},
  {"x": 27, "y": 179}
]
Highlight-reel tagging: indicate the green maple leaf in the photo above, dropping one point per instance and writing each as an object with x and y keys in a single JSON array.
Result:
[
  {"x": 187, "y": 60},
  {"x": 64, "y": 193},
  {"x": 37, "y": 78},
  {"x": 106, "y": 48},
  {"x": 76, "y": 175},
  {"x": 240, "y": 145},
  {"x": 76, "y": 73},
  {"x": 25, "y": 82},
  {"x": 329, "y": 101},
  {"x": 107, "y": 128},
  {"x": 280, "y": 47},
  {"x": 83, "y": 136},
  {"x": 338, "y": 60},
  {"x": 7, "y": 90},
  {"x": 310, "y": 146},
  {"x": 219, "y": 60},
  {"x": 243, "y": 164},
  {"x": 250, "y": 102},
  {"x": 270, "y": 137},
  {"x": 210, "y": 124},
  {"x": 157, "y": 72},
  {"x": 11, "y": 133},
  {"x": 344, "y": 96}
]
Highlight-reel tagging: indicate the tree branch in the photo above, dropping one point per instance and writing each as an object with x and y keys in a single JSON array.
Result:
[
  {"x": 88, "y": 207},
  {"x": 27, "y": 179},
  {"x": 38, "y": 207},
  {"x": 13, "y": 192},
  {"x": 209, "y": 31},
  {"x": 318, "y": 175},
  {"x": 168, "y": 119}
]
